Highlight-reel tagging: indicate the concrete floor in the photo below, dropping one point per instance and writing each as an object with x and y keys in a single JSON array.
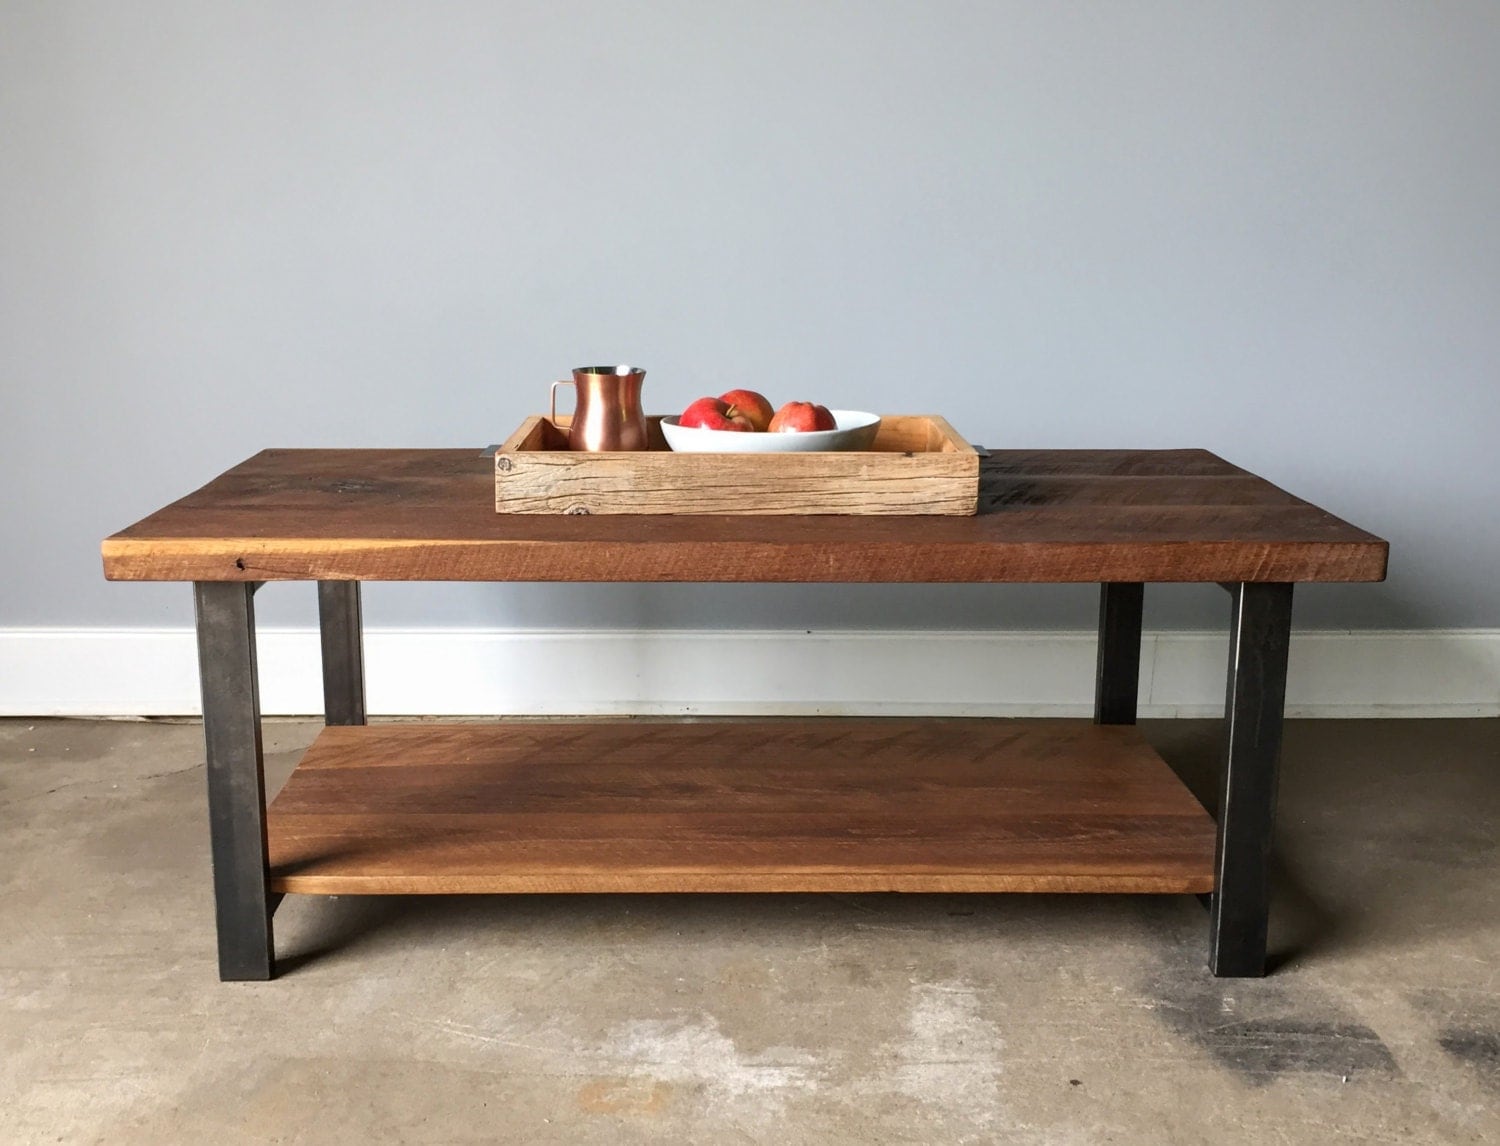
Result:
[{"x": 796, "y": 1019}]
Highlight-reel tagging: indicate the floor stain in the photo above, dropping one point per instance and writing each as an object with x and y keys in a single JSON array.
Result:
[
  {"x": 641, "y": 1097},
  {"x": 949, "y": 1060},
  {"x": 697, "y": 1054},
  {"x": 1261, "y": 1049},
  {"x": 747, "y": 975},
  {"x": 1261, "y": 1030},
  {"x": 1479, "y": 1048}
]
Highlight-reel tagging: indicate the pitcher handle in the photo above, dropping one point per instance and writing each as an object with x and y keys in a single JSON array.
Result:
[{"x": 555, "y": 385}]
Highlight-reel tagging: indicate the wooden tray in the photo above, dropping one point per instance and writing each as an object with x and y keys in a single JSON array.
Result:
[{"x": 917, "y": 465}]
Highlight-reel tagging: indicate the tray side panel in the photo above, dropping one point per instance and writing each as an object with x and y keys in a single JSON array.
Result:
[{"x": 920, "y": 467}]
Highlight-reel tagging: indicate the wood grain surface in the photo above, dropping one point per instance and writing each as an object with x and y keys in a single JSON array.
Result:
[
  {"x": 828, "y": 804},
  {"x": 1044, "y": 515},
  {"x": 916, "y": 465}
]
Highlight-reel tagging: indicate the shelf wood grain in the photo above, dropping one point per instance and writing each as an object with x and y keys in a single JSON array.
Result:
[{"x": 825, "y": 804}]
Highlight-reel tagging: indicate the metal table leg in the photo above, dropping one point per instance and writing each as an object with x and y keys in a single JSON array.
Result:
[
  {"x": 1260, "y": 634},
  {"x": 1118, "y": 678},
  {"x": 236, "y": 779},
  {"x": 343, "y": 652}
]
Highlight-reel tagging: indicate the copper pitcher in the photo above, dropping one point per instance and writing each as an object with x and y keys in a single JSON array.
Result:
[{"x": 608, "y": 415}]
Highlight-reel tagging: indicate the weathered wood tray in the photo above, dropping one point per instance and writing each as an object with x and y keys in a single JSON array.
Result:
[{"x": 917, "y": 465}]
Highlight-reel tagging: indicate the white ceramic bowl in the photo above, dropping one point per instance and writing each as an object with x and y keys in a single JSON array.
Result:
[{"x": 855, "y": 431}]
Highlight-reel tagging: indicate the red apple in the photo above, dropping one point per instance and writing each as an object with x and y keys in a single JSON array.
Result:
[
  {"x": 749, "y": 405},
  {"x": 800, "y": 417},
  {"x": 704, "y": 408},
  {"x": 712, "y": 414}
]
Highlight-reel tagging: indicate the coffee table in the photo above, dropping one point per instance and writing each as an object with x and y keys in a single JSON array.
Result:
[{"x": 814, "y": 805}]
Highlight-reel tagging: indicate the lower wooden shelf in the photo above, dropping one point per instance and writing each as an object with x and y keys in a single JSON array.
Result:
[{"x": 824, "y": 804}]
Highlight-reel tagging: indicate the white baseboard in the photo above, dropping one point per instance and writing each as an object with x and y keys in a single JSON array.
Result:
[{"x": 446, "y": 672}]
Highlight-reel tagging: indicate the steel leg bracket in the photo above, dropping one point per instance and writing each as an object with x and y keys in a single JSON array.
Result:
[
  {"x": 1118, "y": 676},
  {"x": 236, "y": 778},
  {"x": 341, "y": 625},
  {"x": 1260, "y": 637}
]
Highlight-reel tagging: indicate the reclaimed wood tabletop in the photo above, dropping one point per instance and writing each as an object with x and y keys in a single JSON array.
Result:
[{"x": 1044, "y": 516}]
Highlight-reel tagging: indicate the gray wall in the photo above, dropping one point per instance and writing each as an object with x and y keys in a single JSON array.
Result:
[{"x": 1270, "y": 229}]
